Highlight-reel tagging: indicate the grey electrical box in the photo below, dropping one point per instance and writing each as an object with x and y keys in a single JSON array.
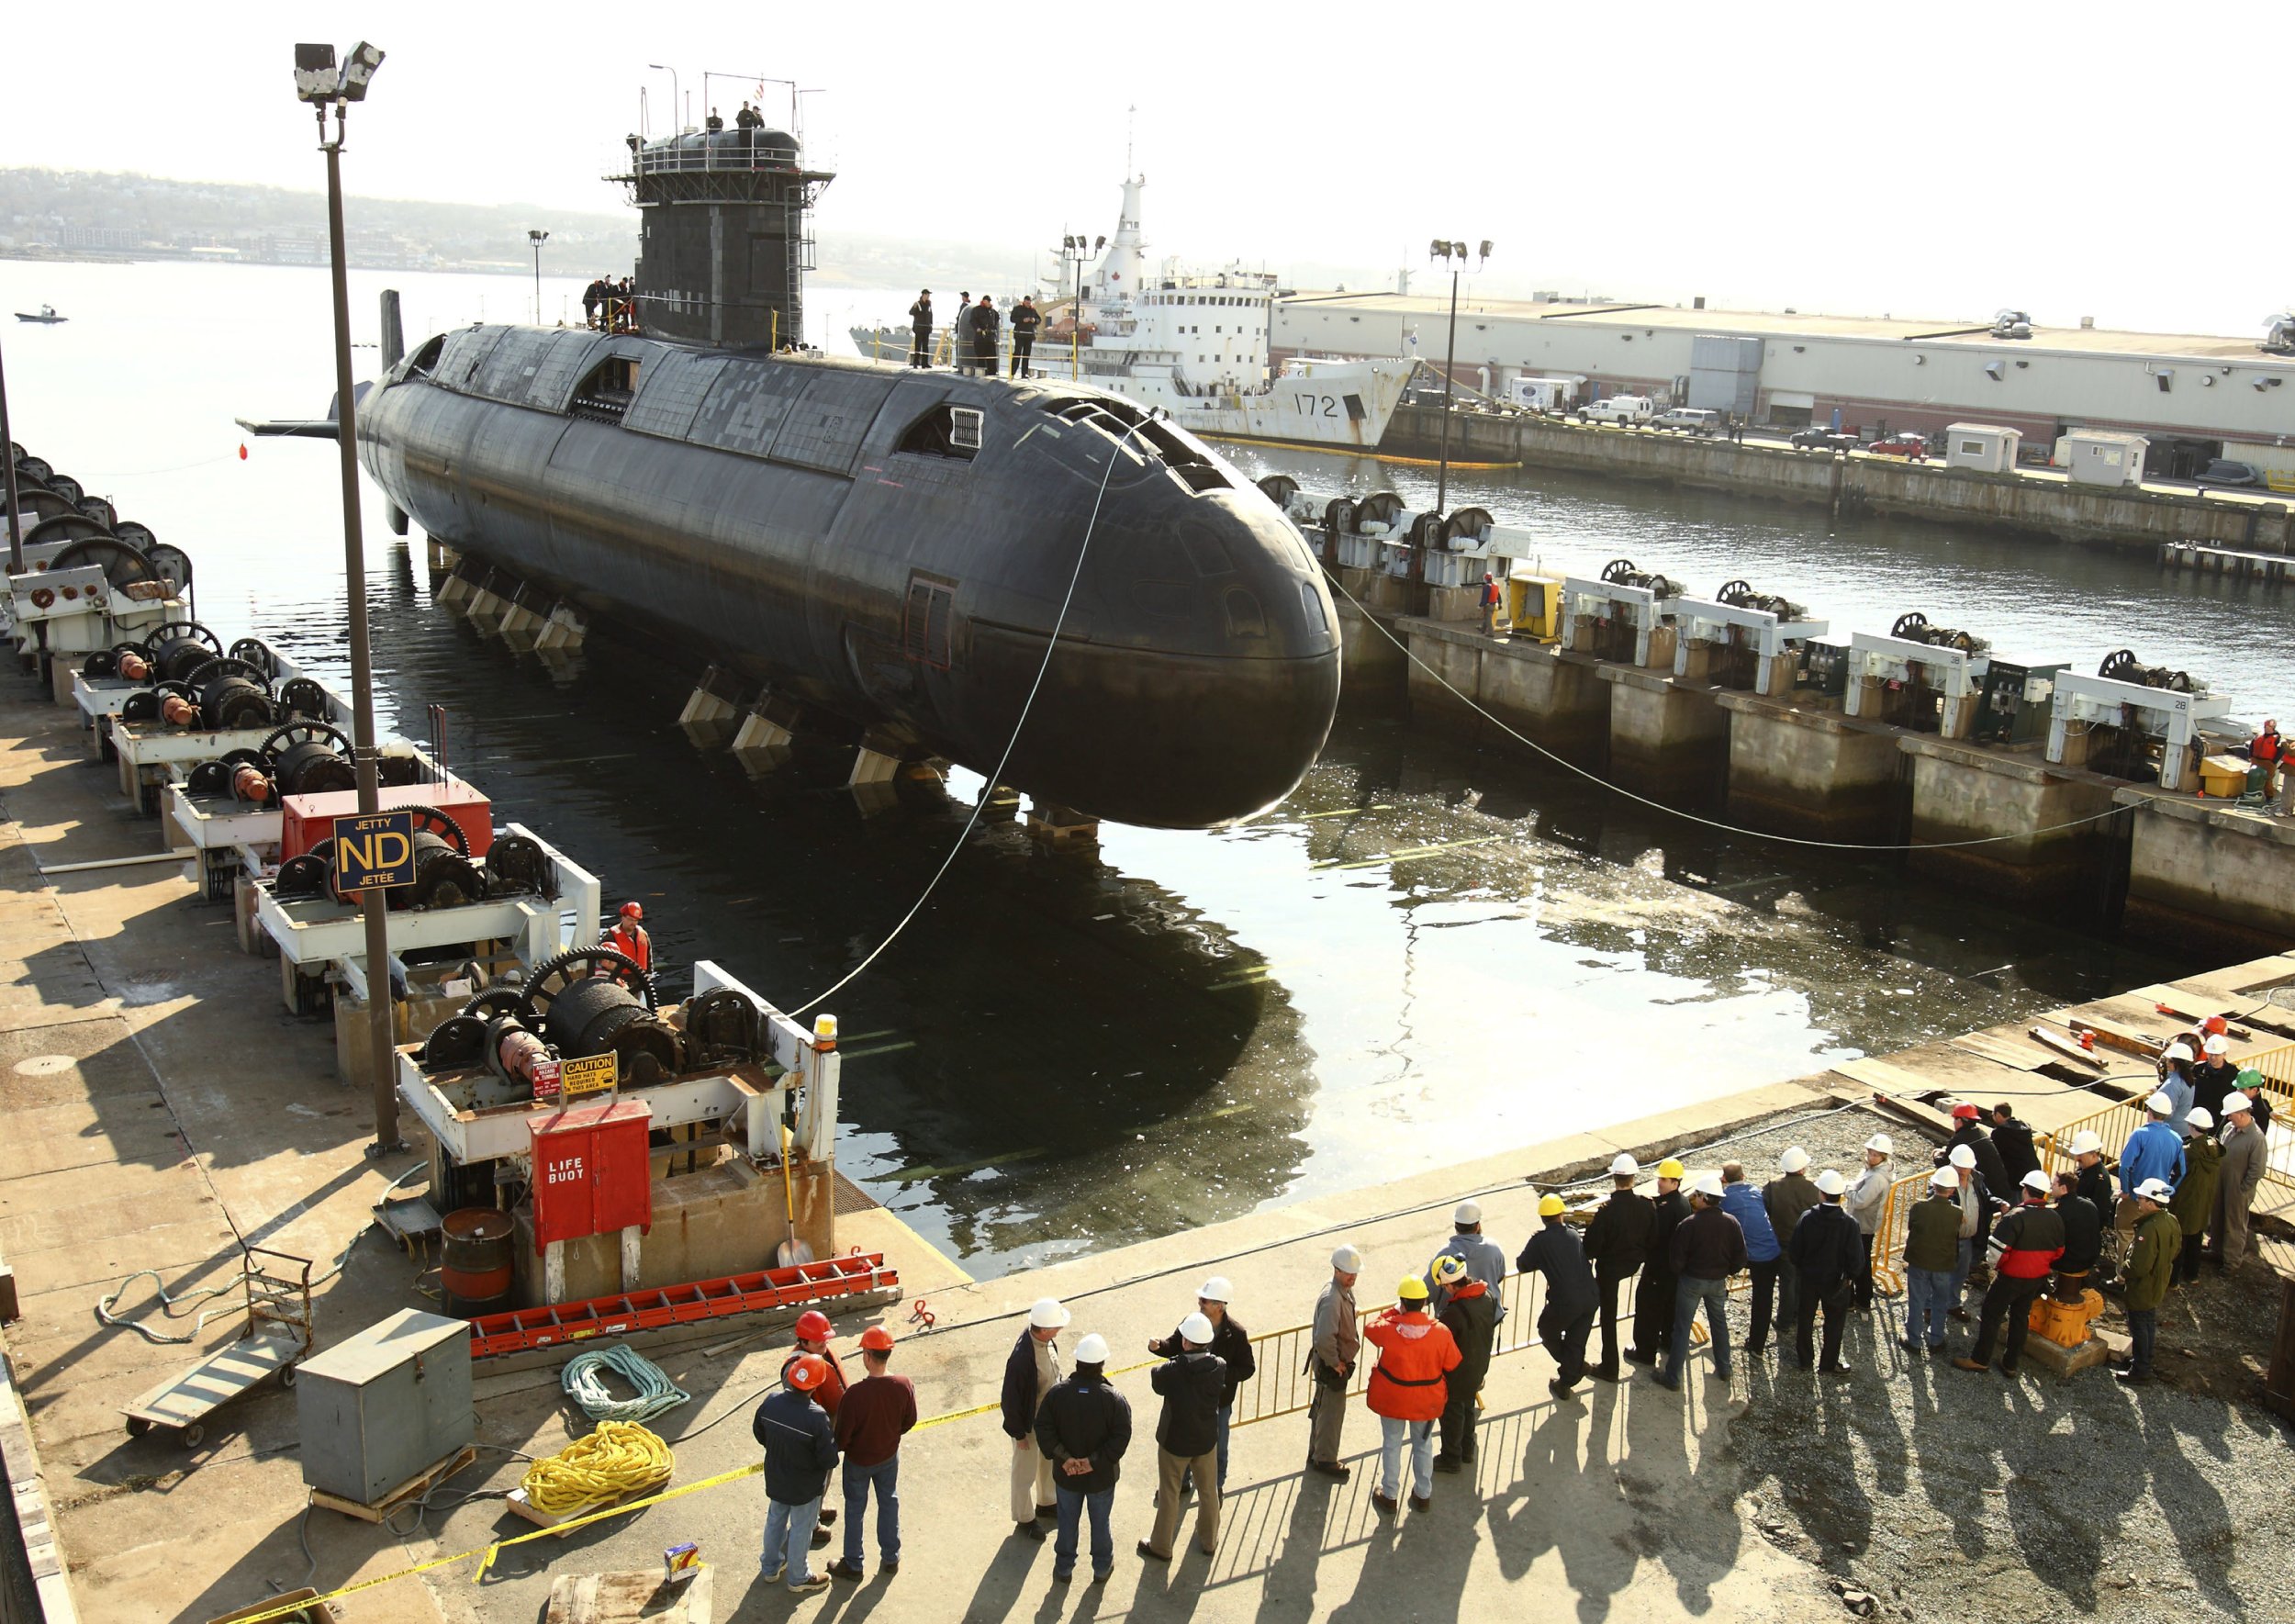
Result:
[{"x": 386, "y": 1406}]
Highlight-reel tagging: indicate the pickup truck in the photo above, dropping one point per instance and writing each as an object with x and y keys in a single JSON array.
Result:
[
  {"x": 1824, "y": 440},
  {"x": 1617, "y": 408}
]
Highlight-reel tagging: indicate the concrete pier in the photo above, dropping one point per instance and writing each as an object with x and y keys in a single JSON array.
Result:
[
  {"x": 1812, "y": 772},
  {"x": 1548, "y": 694},
  {"x": 2020, "y": 805},
  {"x": 1664, "y": 733}
]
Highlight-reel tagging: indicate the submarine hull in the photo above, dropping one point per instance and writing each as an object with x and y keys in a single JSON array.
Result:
[{"x": 896, "y": 548}]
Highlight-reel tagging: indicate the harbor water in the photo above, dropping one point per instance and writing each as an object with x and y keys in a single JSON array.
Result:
[{"x": 1428, "y": 953}]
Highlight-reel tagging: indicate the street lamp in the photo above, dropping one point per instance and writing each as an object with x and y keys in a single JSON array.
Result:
[
  {"x": 537, "y": 238},
  {"x": 1453, "y": 254},
  {"x": 676, "y": 108},
  {"x": 1075, "y": 250},
  {"x": 319, "y": 83}
]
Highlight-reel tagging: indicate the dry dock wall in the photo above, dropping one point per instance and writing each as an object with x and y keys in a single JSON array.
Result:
[{"x": 2034, "y": 504}]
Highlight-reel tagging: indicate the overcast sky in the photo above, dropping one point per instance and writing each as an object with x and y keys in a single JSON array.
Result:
[{"x": 2106, "y": 160}]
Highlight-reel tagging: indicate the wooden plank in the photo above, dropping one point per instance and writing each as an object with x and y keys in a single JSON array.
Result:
[
  {"x": 628, "y": 1596},
  {"x": 521, "y": 1506},
  {"x": 2010, "y": 1045},
  {"x": 317, "y": 1611},
  {"x": 2066, "y": 1047},
  {"x": 398, "y": 1496}
]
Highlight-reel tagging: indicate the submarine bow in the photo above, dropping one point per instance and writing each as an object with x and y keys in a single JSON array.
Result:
[{"x": 893, "y": 546}]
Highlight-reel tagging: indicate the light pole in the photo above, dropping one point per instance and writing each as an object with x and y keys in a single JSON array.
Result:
[
  {"x": 676, "y": 108},
  {"x": 1075, "y": 250},
  {"x": 319, "y": 83},
  {"x": 1453, "y": 254},
  {"x": 537, "y": 238}
]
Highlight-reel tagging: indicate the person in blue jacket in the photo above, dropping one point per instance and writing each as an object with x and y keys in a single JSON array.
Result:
[
  {"x": 800, "y": 1453},
  {"x": 1763, "y": 1253},
  {"x": 2153, "y": 1151}
]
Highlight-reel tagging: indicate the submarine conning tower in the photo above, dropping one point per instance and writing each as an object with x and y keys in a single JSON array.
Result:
[{"x": 725, "y": 236}]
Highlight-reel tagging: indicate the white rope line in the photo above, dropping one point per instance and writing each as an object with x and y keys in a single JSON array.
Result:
[{"x": 1592, "y": 778}]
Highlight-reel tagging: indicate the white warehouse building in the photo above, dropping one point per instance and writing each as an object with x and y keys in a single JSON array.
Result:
[{"x": 2194, "y": 398}]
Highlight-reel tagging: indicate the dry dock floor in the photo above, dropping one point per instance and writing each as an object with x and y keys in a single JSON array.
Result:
[{"x": 160, "y": 1099}]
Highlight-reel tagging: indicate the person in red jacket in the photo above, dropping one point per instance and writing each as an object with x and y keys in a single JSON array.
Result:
[
  {"x": 1409, "y": 1387},
  {"x": 812, "y": 1336},
  {"x": 2027, "y": 1242},
  {"x": 628, "y": 937}
]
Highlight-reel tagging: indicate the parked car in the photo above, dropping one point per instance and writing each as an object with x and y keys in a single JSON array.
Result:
[
  {"x": 2220, "y": 472},
  {"x": 1823, "y": 439},
  {"x": 1619, "y": 408},
  {"x": 1909, "y": 446},
  {"x": 1689, "y": 419}
]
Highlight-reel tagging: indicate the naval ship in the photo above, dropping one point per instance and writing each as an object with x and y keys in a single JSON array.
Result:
[{"x": 1194, "y": 348}]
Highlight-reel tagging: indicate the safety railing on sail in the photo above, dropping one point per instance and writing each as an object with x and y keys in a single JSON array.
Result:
[{"x": 716, "y": 150}]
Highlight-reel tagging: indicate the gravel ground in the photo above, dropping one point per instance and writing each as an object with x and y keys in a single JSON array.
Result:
[{"x": 1947, "y": 1494}]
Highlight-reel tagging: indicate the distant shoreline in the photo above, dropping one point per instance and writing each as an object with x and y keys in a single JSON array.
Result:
[{"x": 160, "y": 257}]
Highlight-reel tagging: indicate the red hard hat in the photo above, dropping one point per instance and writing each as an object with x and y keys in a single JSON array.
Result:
[
  {"x": 806, "y": 1372},
  {"x": 877, "y": 1339},
  {"x": 1964, "y": 1112},
  {"x": 2217, "y": 1023},
  {"x": 632, "y": 910},
  {"x": 813, "y": 1325}
]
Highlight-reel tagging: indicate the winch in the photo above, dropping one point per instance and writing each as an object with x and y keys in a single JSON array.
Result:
[
  {"x": 1625, "y": 617},
  {"x": 1742, "y": 638}
]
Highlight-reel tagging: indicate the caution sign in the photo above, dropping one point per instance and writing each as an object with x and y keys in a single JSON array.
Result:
[
  {"x": 373, "y": 850},
  {"x": 589, "y": 1075}
]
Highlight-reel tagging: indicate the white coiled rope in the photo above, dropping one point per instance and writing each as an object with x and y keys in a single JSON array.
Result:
[{"x": 584, "y": 1383}]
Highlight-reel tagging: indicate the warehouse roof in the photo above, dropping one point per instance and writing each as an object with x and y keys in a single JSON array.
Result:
[{"x": 1790, "y": 324}]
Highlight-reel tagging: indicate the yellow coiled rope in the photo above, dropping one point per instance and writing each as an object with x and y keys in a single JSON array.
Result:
[{"x": 619, "y": 1457}]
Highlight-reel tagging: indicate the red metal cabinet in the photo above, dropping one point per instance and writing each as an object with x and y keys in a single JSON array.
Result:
[
  {"x": 308, "y": 822},
  {"x": 592, "y": 1175}
]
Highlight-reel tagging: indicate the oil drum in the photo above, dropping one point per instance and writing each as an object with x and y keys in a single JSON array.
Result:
[{"x": 475, "y": 1261}]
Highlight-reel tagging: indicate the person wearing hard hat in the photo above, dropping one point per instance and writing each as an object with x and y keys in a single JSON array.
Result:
[
  {"x": 1470, "y": 1309},
  {"x": 1084, "y": 1427},
  {"x": 1409, "y": 1387},
  {"x": 1765, "y": 1252},
  {"x": 1482, "y": 1257},
  {"x": 2013, "y": 1140},
  {"x": 1968, "y": 1131},
  {"x": 2246, "y": 1155},
  {"x": 2083, "y": 1237},
  {"x": 1337, "y": 1341},
  {"x": 1031, "y": 1370},
  {"x": 1617, "y": 1244},
  {"x": 1707, "y": 1247},
  {"x": 1191, "y": 1380},
  {"x": 1783, "y": 1199},
  {"x": 2215, "y": 1076},
  {"x": 1823, "y": 1253},
  {"x": 812, "y": 1332},
  {"x": 800, "y": 1453},
  {"x": 2026, "y": 1243},
  {"x": 2156, "y": 1150},
  {"x": 879, "y": 1410},
  {"x": 2093, "y": 1178},
  {"x": 1933, "y": 1264},
  {"x": 1868, "y": 1194},
  {"x": 2194, "y": 1203},
  {"x": 2151, "y": 1270},
  {"x": 1566, "y": 1318},
  {"x": 2175, "y": 1081},
  {"x": 1232, "y": 1343},
  {"x": 1976, "y": 1212},
  {"x": 628, "y": 937},
  {"x": 1653, "y": 1298}
]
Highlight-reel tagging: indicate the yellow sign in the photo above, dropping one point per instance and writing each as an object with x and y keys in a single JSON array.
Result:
[{"x": 589, "y": 1075}]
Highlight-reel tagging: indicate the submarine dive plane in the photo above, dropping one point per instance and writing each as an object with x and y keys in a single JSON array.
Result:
[{"x": 888, "y": 544}]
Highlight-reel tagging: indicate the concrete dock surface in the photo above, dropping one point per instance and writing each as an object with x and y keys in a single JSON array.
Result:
[{"x": 162, "y": 1102}]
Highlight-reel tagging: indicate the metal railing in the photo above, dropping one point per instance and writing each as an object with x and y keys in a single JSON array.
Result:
[
  {"x": 1888, "y": 1235},
  {"x": 2115, "y": 1122}
]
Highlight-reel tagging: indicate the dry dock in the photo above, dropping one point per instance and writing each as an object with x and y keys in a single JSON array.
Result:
[{"x": 160, "y": 1105}]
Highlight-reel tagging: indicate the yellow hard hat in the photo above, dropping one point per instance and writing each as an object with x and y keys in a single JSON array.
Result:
[
  {"x": 1412, "y": 1290},
  {"x": 1450, "y": 1269},
  {"x": 1670, "y": 1168},
  {"x": 1550, "y": 1207}
]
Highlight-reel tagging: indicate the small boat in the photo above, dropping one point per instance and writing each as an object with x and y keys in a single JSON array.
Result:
[{"x": 47, "y": 315}]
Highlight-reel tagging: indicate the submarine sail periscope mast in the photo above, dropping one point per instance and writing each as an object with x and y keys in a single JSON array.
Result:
[{"x": 894, "y": 547}]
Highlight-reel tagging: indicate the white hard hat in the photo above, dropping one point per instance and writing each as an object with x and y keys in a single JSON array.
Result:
[
  {"x": 2200, "y": 1117},
  {"x": 2160, "y": 1105},
  {"x": 1625, "y": 1167},
  {"x": 1945, "y": 1177},
  {"x": 2156, "y": 1190},
  {"x": 2180, "y": 1051},
  {"x": 1092, "y": 1349},
  {"x": 2088, "y": 1142},
  {"x": 2217, "y": 1044},
  {"x": 1709, "y": 1186},
  {"x": 2237, "y": 1103},
  {"x": 1882, "y": 1142},
  {"x": 1829, "y": 1182},
  {"x": 1214, "y": 1289},
  {"x": 1794, "y": 1159},
  {"x": 1468, "y": 1212},
  {"x": 1196, "y": 1328},
  {"x": 1347, "y": 1260},
  {"x": 1048, "y": 1314},
  {"x": 2036, "y": 1180},
  {"x": 1963, "y": 1157}
]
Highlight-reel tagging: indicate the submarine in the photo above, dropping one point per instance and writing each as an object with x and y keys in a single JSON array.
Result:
[{"x": 891, "y": 545}]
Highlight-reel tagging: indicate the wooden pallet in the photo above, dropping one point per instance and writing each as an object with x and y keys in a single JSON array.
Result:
[
  {"x": 521, "y": 1506},
  {"x": 314, "y": 1610},
  {"x": 414, "y": 1488},
  {"x": 625, "y": 1597}
]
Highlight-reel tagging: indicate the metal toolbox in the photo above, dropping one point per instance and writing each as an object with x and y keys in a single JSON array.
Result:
[{"x": 385, "y": 1406}]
